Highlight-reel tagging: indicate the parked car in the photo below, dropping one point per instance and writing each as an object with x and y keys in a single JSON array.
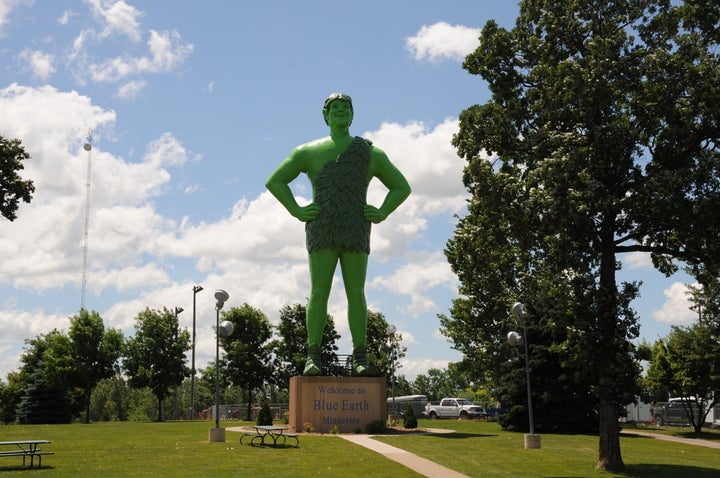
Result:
[
  {"x": 454, "y": 408},
  {"x": 676, "y": 412}
]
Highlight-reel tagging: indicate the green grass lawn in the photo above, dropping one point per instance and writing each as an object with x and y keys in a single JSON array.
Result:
[{"x": 181, "y": 449}]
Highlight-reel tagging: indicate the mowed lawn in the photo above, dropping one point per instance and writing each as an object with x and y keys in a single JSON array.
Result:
[{"x": 477, "y": 449}]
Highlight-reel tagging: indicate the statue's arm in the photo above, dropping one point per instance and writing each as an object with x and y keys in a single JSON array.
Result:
[
  {"x": 279, "y": 186},
  {"x": 394, "y": 181}
]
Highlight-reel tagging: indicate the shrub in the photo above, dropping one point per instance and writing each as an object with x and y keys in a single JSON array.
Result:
[
  {"x": 375, "y": 427},
  {"x": 265, "y": 416},
  {"x": 409, "y": 420}
]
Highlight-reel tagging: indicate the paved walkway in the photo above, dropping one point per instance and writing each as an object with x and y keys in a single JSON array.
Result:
[
  {"x": 659, "y": 436},
  {"x": 416, "y": 463}
]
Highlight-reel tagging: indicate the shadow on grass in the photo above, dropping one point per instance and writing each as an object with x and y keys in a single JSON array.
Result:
[
  {"x": 658, "y": 470},
  {"x": 13, "y": 468},
  {"x": 702, "y": 435}
]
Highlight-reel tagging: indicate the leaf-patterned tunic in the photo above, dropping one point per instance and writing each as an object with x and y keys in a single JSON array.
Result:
[{"x": 340, "y": 190}]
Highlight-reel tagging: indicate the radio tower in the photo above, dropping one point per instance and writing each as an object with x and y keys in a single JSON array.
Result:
[{"x": 87, "y": 147}]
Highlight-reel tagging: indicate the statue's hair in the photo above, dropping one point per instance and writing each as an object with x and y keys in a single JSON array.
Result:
[{"x": 335, "y": 97}]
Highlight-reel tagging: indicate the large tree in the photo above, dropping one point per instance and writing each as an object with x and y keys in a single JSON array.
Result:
[
  {"x": 155, "y": 356},
  {"x": 95, "y": 353},
  {"x": 46, "y": 380},
  {"x": 13, "y": 188},
  {"x": 601, "y": 144},
  {"x": 248, "y": 352}
]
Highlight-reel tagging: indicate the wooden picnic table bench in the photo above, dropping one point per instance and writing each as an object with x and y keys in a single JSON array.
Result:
[{"x": 25, "y": 448}]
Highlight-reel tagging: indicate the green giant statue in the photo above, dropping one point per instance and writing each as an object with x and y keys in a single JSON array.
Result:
[{"x": 337, "y": 222}]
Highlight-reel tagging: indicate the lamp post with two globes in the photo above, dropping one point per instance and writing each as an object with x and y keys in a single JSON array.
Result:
[
  {"x": 225, "y": 329},
  {"x": 518, "y": 310}
]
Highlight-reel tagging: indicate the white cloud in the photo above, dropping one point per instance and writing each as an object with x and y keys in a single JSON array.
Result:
[
  {"x": 6, "y": 7},
  {"x": 411, "y": 368},
  {"x": 66, "y": 16},
  {"x": 117, "y": 17},
  {"x": 637, "y": 260},
  {"x": 131, "y": 89},
  {"x": 416, "y": 278},
  {"x": 39, "y": 62},
  {"x": 167, "y": 52},
  {"x": 676, "y": 309},
  {"x": 442, "y": 40}
]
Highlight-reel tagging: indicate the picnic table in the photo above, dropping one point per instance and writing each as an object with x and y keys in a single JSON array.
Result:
[
  {"x": 25, "y": 448},
  {"x": 275, "y": 434}
]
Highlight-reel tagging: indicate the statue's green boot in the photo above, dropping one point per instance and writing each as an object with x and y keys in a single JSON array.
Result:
[
  {"x": 361, "y": 366},
  {"x": 312, "y": 364}
]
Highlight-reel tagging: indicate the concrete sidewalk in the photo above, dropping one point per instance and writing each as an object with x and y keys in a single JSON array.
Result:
[
  {"x": 687, "y": 441},
  {"x": 416, "y": 463}
]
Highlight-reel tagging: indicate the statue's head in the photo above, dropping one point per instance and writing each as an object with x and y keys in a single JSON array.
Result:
[{"x": 331, "y": 99}]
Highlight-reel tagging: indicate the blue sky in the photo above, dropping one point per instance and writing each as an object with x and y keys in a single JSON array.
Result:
[{"x": 191, "y": 106}]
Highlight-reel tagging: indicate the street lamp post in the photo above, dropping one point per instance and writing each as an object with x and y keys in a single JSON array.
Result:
[
  {"x": 217, "y": 434},
  {"x": 391, "y": 329},
  {"x": 178, "y": 310},
  {"x": 196, "y": 289},
  {"x": 518, "y": 310}
]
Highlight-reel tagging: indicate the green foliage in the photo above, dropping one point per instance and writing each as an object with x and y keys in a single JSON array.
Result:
[
  {"x": 291, "y": 348},
  {"x": 265, "y": 415},
  {"x": 437, "y": 384},
  {"x": 95, "y": 353},
  {"x": 248, "y": 351},
  {"x": 46, "y": 380},
  {"x": 383, "y": 350},
  {"x": 409, "y": 419},
  {"x": 375, "y": 427},
  {"x": 13, "y": 188},
  {"x": 155, "y": 356},
  {"x": 687, "y": 364}
]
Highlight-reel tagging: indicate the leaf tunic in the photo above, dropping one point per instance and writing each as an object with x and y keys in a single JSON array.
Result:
[{"x": 340, "y": 190}]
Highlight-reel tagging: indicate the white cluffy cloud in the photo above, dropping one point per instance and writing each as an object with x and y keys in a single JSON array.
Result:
[
  {"x": 442, "y": 40},
  {"x": 676, "y": 309},
  {"x": 117, "y": 17},
  {"x": 41, "y": 63}
]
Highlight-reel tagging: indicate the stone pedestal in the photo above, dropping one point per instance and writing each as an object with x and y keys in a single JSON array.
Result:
[
  {"x": 216, "y": 435},
  {"x": 347, "y": 404},
  {"x": 532, "y": 441}
]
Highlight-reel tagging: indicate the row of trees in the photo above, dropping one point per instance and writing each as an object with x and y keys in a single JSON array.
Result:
[
  {"x": 604, "y": 139},
  {"x": 59, "y": 371}
]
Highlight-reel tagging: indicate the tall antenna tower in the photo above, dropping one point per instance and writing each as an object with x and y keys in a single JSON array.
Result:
[{"x": 87, "y": 147}]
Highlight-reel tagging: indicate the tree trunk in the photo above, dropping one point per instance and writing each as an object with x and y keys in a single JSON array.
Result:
[
  {"x": 248, "y": 417},
  {"x": 610, "y": 457},
  {"x": 88, "y": 395}
]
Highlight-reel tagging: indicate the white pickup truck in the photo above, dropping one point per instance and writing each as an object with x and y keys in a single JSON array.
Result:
[{"x": 454, "y": 408}]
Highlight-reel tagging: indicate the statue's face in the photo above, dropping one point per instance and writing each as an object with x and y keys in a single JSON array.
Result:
[{"x": 339, "y": 113}]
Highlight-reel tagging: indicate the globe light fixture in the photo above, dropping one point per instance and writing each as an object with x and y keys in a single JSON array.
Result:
[{"x": 515, "y": 339}]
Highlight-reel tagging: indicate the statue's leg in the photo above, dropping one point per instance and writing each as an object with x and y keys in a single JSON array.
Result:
[
  {"x": 354, "y": 271},
  {"x": 322, "y": 268}
]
